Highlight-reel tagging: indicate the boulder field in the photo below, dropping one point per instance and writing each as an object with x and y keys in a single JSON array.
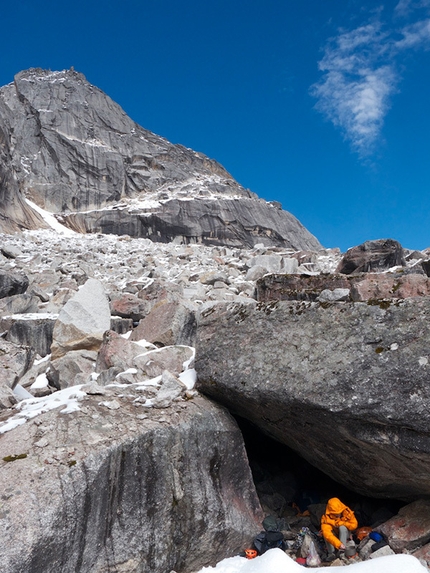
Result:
[{"x": 111, "y": 460}]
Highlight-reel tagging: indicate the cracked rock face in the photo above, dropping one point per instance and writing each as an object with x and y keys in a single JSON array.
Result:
[
  {"x": 344, "y": 384},
  {"x": 66, "y": 146},
  {"x": 108, "y": 489}
]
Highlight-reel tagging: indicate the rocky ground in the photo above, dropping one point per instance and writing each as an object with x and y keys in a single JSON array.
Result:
[
  {"x": 118, "y": 317},
  {"x": 129, "y": 265}
]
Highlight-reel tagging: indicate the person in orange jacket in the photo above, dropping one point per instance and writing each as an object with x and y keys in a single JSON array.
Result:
[{"x": 337, "y": 523}]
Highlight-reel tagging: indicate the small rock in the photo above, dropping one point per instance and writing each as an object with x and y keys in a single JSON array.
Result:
[
  {"x": 255, "y": 273},
  {"x": 335, "y": 295},
  {"x": 364, "y": 549},
  {"x": 386, "y": 550},
  {"x": 37, "y": 291},
  {"x": 10, "y": 252},
  {"x": 190, "y": 394},
  {"x": 171, "y": 388},
  {"x": 93, "y": 389},
  {"x": 212, "y": 277},
  {"x": 337, "y": 563},
  {"x": 112, "y": 405}
]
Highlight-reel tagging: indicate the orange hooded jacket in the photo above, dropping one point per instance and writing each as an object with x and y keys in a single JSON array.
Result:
[{"x": 330, "y": 522}]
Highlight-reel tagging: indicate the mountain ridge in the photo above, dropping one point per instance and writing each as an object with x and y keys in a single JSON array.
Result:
[{"x": 71, "y": 149}]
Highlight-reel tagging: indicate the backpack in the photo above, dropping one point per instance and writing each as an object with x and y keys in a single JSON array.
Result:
[{"x": 271, "y": 537}]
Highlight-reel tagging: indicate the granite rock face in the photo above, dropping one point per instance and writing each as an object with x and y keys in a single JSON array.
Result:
[
  {"x": 15, "y": 214},
  {"x": 343, "y": 384},
  {"x": 67, "y": 147},
  {"x": 104, "y": 489},
  {"x": 242, "y": 222}
]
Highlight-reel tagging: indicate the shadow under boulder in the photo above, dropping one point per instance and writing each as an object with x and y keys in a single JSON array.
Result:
[{"x": 291, "y": 488}]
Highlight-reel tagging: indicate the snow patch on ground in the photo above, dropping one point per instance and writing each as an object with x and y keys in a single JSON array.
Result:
[
  {"x": 51, "y": 220},
  {"x": 276, "y": 561},
  {"x": 32, "y": 407},
  {"x": 40, "y": 382}
]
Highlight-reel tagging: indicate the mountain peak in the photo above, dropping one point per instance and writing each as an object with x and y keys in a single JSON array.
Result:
[{"x": 72, "y": 150}]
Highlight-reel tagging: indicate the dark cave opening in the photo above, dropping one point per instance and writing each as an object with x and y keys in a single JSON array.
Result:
[{"x": 288, "y": 486}]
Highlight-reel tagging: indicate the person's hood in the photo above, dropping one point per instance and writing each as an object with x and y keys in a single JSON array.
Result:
[{"x": 334, "y": 505}]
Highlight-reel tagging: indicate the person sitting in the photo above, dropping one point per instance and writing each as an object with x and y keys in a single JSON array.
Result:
[{"x": 337, "y": 523}]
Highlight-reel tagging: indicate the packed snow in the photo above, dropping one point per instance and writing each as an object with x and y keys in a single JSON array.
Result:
[
  {"x": 31, "y": 407},
  {"x": 51, "y": 220},
  {"x": 276, "y": 561}
]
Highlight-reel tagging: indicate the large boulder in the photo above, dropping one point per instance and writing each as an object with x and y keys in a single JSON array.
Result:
[
  {"x": 82, "y": 321},
  {"x": 76, "y": 367},
  {"x": 298, "y": 287},
  {"x": 343, "y": 384},
  {"x": 388, "y": 286},
  {"x": 19, "y": 304},
  {"x": 274, "y": 263},
  {"x": 378, "y": 255},
  {"x": 12, "y": 283},
  {"x": 34, "y": 330},
  {"x": 166, "y": 324},
  {"x": 173, "y": 358},
  {"x": 410, "y": 528},
  {"x": 117, "y": 352},
  {"x": 108, "y": 489},
  {"x": 129, "y": 306},
  {"x": 15, "y": 360},
  {"x": 361, "y": 287}
]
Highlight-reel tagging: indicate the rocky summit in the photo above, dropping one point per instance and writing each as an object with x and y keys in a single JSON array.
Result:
[
  {"x": 69, "y": 149},
  {"x": 174, "y": 351}
]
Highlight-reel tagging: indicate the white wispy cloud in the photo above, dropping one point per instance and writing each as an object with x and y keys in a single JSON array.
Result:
[
  {"x": 404, "y": 7},
  {"x": 360, "y": 75},
  {"x": 354, "y": 92},
  {"x": 415, "y": 35}
]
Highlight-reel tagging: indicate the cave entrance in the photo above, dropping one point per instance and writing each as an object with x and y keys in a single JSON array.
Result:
[{"x": 288, "y": 486}]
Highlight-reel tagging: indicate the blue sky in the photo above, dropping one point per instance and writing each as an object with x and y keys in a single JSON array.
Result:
[{"x": 322, "y": 105}]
